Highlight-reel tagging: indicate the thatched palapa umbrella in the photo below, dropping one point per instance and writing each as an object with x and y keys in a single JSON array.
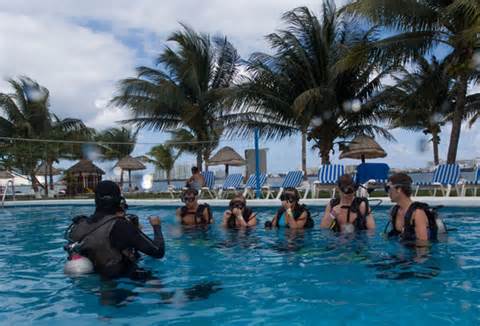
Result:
[
  {"x": 87, "y": 173},
  {"x": 227, "y": 156},
  {"x": 45, "y": 170},
  {"x": 363, "y": 147},
  {"x": 130, "y": 164}
]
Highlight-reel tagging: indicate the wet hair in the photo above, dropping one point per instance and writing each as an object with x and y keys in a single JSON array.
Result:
[
  {"x": 108, "y": 197},
  {"x": 195, "y": 170},
  {"x": 237, "y": 199},
  {"x": 345, "y": 180},
  {"x": 290, "y": 190},
  {"x": 402, "y": 181},
  {"x": 189, "y": 191}
]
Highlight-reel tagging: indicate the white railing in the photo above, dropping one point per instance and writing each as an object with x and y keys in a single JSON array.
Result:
[{"x": 4, "y": 195}]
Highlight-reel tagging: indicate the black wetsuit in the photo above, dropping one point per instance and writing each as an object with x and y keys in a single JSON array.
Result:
[{"x": 126, "y": 240}]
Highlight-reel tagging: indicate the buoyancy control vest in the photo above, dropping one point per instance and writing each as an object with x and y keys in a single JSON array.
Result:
[
  {"x": 297, "y": 212},
  {"x": 247, "y": 212},
  {"x": 93, "y": 238},
  {"x": 199, "y": 218},
  {"x": 360, "y": 222},
  {"x": 435, "y": 224}
]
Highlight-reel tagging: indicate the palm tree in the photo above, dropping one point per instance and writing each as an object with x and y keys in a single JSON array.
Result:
[
  {"x": 116, "y": 143},
  {"x": 184, "y": 141},
  {"x": 27, "y": 116},
  {"x": 421, "y": 100},
  {"x": 421, "y": 26},
  {"x": 163, "y": 157},
  {"x": 186, "y": 91},
  {"x": 305, "y": 85}
]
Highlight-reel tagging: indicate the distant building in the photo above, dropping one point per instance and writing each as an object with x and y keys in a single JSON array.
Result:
[
  {"x": 250, "y": 158},
  {"x": 180, "y": 171}
]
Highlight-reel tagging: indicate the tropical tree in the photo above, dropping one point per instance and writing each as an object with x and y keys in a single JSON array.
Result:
[
  {"x": 185, "y": 92},
  {"x": 421, "y": 100},
  {"x": 27, "y": 120},
  {"x": 163, "y": 157},
  {"x": 116, "y": 143},
  {"x": 418, "y": 27},
  {"x": 185, "y": 142},
  {"x": 306, "y": 87}
]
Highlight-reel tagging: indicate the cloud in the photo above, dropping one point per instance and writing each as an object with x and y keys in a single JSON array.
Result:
[
  {"x": 80, "y": 49},
  {"x": 245, "y": 21},
  {"x": 78, "y": 66}
]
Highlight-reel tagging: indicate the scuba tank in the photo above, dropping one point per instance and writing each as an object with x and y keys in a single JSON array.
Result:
[{"x": 77, "y": 264}]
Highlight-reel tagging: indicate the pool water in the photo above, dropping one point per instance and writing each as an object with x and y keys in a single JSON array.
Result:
[{"x": 217, "y": 277}]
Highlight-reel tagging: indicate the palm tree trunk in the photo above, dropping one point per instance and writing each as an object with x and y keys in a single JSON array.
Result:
[
  {"x": 435, "y": 141},
  {"x": 325, "y": 148},
  {"x": 206, "y": 156},
  {"x": 304, "y": 154},
  {"x": 457, "y": 119},
  {"x": 121, "y": 178},
  {"x": 169, "y": 173},
  {"x": 50, "y": 175},
  {"x": 46, "y": 184},
  {"x": 199, "y": 160},
  {"x": 35, "y": 182}
]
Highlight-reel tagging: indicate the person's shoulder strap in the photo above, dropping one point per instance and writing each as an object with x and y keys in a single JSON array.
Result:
[
  {"x": 183, "y": 211},
  {"x": 412, "y": 208},
  {"x": 107, "y": 219},
  {"x": 247, "y": 212},
  {"x": 419, "y": 205},
  {"x": 357, "y": 201},
  {"x": 201, "y": 208},
  {"x": 334, "y": 202}
]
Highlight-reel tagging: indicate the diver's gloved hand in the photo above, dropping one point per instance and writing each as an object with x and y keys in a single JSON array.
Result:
[{"x": 154, "y": 220}]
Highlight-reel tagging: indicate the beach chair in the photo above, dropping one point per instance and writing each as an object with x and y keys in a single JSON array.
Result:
[
  {"x": 231, "y": 184},
  {"x": 251, "y": 185},
  {"x": 471, "y": 184},
  {"x": 209, "y": 184},
  {"x": 370, "y": 176},
  {"x": 293, "y": 179},
  {"x": 327, "y": 178},
  {"x": 173, "y": 191},
  {"x": 444, "y": 178}
]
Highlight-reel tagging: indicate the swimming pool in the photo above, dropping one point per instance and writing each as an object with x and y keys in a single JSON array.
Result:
[{"x": 252, "y": 277}]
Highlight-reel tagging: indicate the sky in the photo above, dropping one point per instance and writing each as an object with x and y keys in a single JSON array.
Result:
[{"x": 79, "y": 50}]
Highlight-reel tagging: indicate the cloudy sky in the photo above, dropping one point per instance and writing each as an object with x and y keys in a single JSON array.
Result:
[{"x": 80, "y": 49}]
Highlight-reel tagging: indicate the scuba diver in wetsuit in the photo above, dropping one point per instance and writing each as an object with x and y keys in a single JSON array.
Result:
[
  {"x": 295, "y": 216},
  {"x": 347, "y": 213},
  {"x": 110, "y": 239},
  {"x": 411, "y": 221},
  {"x": 239, "y": 215},
  {"x": 193, "y": 213}
]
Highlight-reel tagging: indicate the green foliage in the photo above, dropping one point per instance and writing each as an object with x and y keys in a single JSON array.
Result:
[
  {"x": 117, "y": 142},
  {"x": 418, "y": 27},
  {"x": 163, "y": 157},
  {"x": 26, "y": 114},
  {"x": 186, "y": 91},
  {"x": 306, "y": 85}
]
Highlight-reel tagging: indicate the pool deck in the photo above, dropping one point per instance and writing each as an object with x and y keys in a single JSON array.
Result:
[{"x": 446, "y": 201}]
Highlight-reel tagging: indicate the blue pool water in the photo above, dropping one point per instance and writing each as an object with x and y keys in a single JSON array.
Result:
[{"x": 217, "y": 277}]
